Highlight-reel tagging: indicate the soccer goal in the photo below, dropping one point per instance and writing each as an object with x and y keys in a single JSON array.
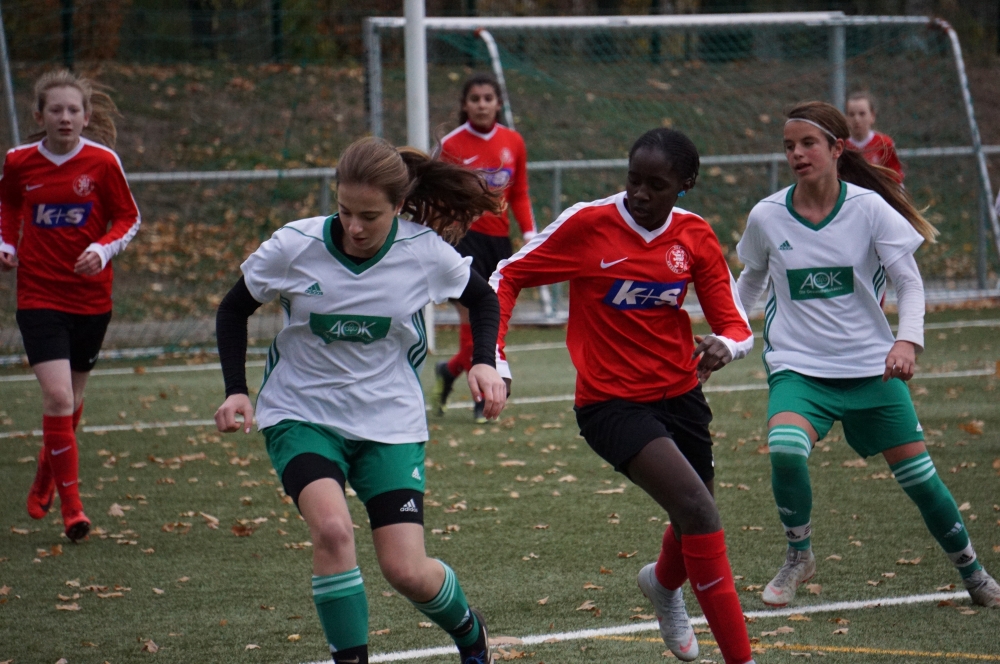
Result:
[{"x": 581, "y": 89}]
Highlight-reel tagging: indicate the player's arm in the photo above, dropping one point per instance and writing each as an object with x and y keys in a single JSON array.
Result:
[
  {"x": 554, "y": 255},
  {"x": 902, "y": 358},
  {"x": 124, "y": 221},
  {"x": 517, "y": 194},
  {"x": 231, "y": 331},
  {"x": 10, "y": 216},
  {"x": 891, "y": 159},
  {"x": 731, "y": 338},
  {"x": 484, "y": 318}
]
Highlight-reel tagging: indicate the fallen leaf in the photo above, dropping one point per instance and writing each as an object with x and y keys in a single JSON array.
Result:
[
  {"x": 425, "y": 625},
  {"x": 622, "y": 554},
  {"x": 606, "y": 492},
  {"x": 855, "y": 463},
  {"x": 252, "y": 646},
  {"x": 587, "y": 606},
  {"x": 605, "y": 570},
  {"x": 914, "y": 561},
  {"x": 567, "y": 478},
  {"x": 973, "y": 427},
  {"x": 798, "y": 617},
  {"x": 965, "y": 507},
  {"x": 243, "y": 530},
  {"x": 889, "y": 575},
  {"x": 512, "y": 462},
  {"x": 834, "y": 556},
  {"x": 543, "y": 601},
  {"x": 590, "y": 586},
  {"x": 19, "y": 531},
  {"x": 948, "y": 586},
  {"x": 643, "y": 616},
  {"x": 116, "y": 510},
  {"x": 505, "y": 641},
  {"x": 967, "y": 611},
  {"x": 842, "y": 630},
  {"x": 158, "y": 591},
  {"x": 294, "y": 637},
  {"x": 814, "y": 588},
  {"x": 110, "y": 595},
  {"x": 68, "y": 607},
  {"x": 378, "y": 632}
]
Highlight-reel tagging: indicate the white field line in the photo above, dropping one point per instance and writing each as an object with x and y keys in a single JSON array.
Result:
[
  {"x": 633, "y": 628},
  {"x": 517, "y": 401}
]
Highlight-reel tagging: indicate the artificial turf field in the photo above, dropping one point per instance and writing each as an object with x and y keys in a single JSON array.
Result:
[{"x": 522, "y": 509}]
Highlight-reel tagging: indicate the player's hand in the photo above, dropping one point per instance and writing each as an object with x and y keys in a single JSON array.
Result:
[
  {"x": 714, "y": 356},
  {"x": 225, "y": 417},
  {"x": 88, "y": 264},
  {"x": 7, "y": 261},
  {"x": 488, "y": 388},
  {"x": 900, "y": 362}
]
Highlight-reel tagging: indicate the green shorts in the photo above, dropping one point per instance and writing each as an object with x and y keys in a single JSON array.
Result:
[
  {"x": 370, "y": 468},
  {"x": 876, "y": 415}
]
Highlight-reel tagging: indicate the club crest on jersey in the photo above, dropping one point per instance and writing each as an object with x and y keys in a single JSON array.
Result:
[
  {"x": 678, "y": 259},
  {"x": 498, "y": 179},
  {"x": 627, "y": 294},
  {"x": 60, "y": 215},
  {"x": 349, "y": 327},
  {"x": 83, "y": 185},
  {"x": 506, "y": 156}
]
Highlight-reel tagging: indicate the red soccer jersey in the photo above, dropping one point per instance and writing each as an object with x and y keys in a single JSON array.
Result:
[
  {"x": 55, "y": 207},
  {"x": 501, "y": 155},
  {"x": 628, "y": 336},
  {"x": 881, "y": 151}
]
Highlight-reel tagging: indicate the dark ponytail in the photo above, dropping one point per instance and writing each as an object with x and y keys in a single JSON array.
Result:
[
  {"x": 679, "y": 150},
  {"x": 852, "y": 167},
  {"x": 436, "y": 194}
]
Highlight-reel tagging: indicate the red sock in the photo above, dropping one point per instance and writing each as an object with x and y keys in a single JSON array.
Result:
[
  {"x": 670, "y": 570},
  {"x": 462, "y": 360},
  {"x": 712, "y": 582},
  {"x": 77, "y": 414},
  {"x": 60, "y": 446}
]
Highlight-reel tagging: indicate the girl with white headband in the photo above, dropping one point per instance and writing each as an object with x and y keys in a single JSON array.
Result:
[{"x": 826, "y": 244}]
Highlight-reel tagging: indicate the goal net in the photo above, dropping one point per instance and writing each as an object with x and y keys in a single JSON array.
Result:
[{"x": 583, "y": 89}]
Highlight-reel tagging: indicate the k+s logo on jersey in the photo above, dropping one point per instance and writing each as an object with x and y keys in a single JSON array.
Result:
[
  {"x": 61, "y": 215},
  {"x": 626, "y": 294}
]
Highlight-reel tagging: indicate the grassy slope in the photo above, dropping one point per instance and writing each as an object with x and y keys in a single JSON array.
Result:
[{"x": 235, "y": 581}]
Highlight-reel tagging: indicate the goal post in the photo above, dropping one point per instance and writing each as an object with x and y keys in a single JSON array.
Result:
[{"x": 583, "y": 88}]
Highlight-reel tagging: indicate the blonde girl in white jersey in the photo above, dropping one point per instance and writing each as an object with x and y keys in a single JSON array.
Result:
[{"x": 826, "y": 245}]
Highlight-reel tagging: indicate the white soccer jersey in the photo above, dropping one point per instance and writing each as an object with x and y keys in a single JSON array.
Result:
[
  {"x": 350, "y": 353},
  {"x": 823, "y": 315}
]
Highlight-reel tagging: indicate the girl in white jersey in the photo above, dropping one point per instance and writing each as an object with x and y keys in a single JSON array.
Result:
[
  {"x": 827, "y": 244},
  {"x": 341, "y": 399}
]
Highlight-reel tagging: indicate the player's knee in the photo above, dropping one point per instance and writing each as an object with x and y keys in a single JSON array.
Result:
[
  {"x": 58, "y": 399},
  {"x": 699, "y": 516},
  {"x": 332, "y": 535},
  {"x": 405, "y": 574}
]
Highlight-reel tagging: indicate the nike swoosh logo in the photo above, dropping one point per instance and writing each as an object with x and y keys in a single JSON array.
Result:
[
  {"x": 351, "y": 661},
  {"x": 29, "y": 187},
  {"x": 708, "y": 585},
  {"x": 58, "y": 452},
  {"x": 470, "y": 160},
  {"x": 66, "y": 484},
  {"x": 607, "y": 265}
]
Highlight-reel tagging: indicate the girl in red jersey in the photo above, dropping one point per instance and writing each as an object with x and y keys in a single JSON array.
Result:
[
  {"x": 876, "y": 147},
  {"x": 482, "y": 143},
  {"x": 65, "y": 211},
  {"x": 629, "y": 260}
]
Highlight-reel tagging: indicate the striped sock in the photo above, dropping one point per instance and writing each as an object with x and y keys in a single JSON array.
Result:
[
  {"x": 450, "y": 611},
  {"x": 790, "y": 448},
  {"x": 343, "y": 608},
  {"x": 923, "y": 485}
]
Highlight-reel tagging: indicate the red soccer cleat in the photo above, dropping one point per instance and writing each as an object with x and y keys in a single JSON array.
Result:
[{"x": 43, "y": 489}]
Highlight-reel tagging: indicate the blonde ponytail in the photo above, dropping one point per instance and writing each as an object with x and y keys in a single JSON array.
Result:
[{"x": 96, "y": 102}]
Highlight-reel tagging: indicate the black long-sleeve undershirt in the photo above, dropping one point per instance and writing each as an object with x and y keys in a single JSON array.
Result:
[{"x": 238, "y": 305}]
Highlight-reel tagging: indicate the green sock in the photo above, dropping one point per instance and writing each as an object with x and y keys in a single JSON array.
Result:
[
  {"x": 343, "y": 608},
  {"x": 450, "y": 610},
  {"x": 790, "y": 447},
  {"x": 920, "y": 481}
]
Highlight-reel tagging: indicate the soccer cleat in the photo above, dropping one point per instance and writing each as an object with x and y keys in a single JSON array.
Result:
[
  {"x": 43, "y": 489},
  {"x": 983, "y": 589},
  {"x": 443, "y": 382},
  {"x": 478, "y": 652},
  {"x": 675, "y": 626},
  {"x": 77, "y": 525},
  {"x": 477, "y": 412},
  {"x": 799, "y": 567}
]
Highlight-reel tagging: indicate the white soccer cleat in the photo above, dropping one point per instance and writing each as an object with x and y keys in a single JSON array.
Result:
[
  {"x": 983, "y": 589},
  {"x": 799, "y": 567},
  {"x": 675, "y": 626}
]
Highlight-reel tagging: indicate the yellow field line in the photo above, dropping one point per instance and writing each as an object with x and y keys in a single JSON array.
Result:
[{"x": 833, "y": 649}]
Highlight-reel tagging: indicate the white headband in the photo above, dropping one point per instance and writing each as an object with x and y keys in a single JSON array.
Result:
[{"x": 815, "y": 124}]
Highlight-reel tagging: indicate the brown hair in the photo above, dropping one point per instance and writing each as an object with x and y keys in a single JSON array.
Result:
[
  {"x": 96, "y": 102},
  {"x": 863, "y": 95},
  {"x": 472, "y": 81},
  {"x": 436, "y": 194},
  {"x": 852, "y": 167}
]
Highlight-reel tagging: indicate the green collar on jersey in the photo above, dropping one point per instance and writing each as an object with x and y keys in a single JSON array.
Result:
[
  {"x": 357, "y": 268},
  {"x": 833, "y": 213}
]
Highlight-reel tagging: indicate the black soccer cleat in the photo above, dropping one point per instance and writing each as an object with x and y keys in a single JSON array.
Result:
[
  {"x": 443, "y": 383},
  {"x": 478, "y": 652}
]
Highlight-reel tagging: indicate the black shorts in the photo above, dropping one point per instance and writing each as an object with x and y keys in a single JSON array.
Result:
[
  {"x": 48, "y": 334},
  {"x": 486, "y": 251},
  {"x": 618, "y": 430}
]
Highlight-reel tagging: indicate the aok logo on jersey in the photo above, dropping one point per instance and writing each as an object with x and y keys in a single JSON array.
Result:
[
  {"x": 627, "y": 294},
  {"x": 60, "y": 215},
  {"x": 820, "y": 282},
  {"x": 349, "y": 327}
]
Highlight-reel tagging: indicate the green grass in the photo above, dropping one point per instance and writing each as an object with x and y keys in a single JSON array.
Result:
[{"x": 255, "y": 590}]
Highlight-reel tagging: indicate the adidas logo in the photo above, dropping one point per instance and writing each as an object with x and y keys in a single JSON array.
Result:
[
  {"x": 314, "y": 289},
  {"x": 785, "y": 246},
  {"x": 410, "y": 506},
  {"x": 416, "y": 474},
  {"x": 956, "y": 529}
]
